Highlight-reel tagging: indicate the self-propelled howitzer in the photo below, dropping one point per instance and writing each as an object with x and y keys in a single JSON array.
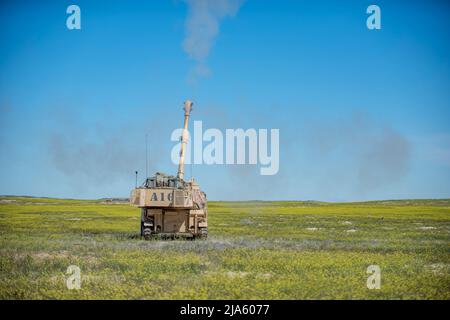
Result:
[{"x": 171, "y": 206}]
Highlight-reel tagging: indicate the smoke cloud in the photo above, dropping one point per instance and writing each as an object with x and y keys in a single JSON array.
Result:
[
  {"x": 387, "y": 160},
  {"x": 358, "y": 154},
  {"x": 92, "y": 156},
  {"x": 100, "y": 162},
  {"x": 353, "y": 157},
  {"x": 347, "y": 158},
  {"x": 202, "y": 27}
]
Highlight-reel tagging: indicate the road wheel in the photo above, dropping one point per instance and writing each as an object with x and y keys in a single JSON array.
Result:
[
  {"x": 147, "y": 233},
  {"x": 203, "y": 233}
]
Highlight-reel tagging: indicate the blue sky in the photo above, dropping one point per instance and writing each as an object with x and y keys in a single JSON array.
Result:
[{"x": 363, "y": 114}]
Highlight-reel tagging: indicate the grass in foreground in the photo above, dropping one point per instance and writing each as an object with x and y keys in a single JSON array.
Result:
[{"x": 256, "y": 250}]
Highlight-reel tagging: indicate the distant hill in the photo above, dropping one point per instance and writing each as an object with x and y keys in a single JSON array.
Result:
[{"x": 5, "y": 199}]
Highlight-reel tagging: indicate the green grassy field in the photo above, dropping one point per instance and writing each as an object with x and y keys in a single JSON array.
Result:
[{"x": 255, "y": 250}]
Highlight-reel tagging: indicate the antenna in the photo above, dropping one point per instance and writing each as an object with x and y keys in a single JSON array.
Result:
[
  {"x": 136, "y": 179},
  {"x": 146, "y": 155}
]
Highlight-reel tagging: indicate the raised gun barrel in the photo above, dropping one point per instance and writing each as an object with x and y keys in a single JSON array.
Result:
[{"x": 184, "y": 138}]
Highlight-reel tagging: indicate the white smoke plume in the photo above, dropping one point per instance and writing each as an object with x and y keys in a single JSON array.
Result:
[{"x": 202, "y": 27}]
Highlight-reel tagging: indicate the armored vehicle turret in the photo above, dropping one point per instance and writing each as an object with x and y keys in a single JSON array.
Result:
[{"x": 171, "y": 206}]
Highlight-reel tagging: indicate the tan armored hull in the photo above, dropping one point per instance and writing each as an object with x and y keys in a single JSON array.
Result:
[
  {"x": 161, "y": 197},
  {"x": 171, "y": 212}
]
